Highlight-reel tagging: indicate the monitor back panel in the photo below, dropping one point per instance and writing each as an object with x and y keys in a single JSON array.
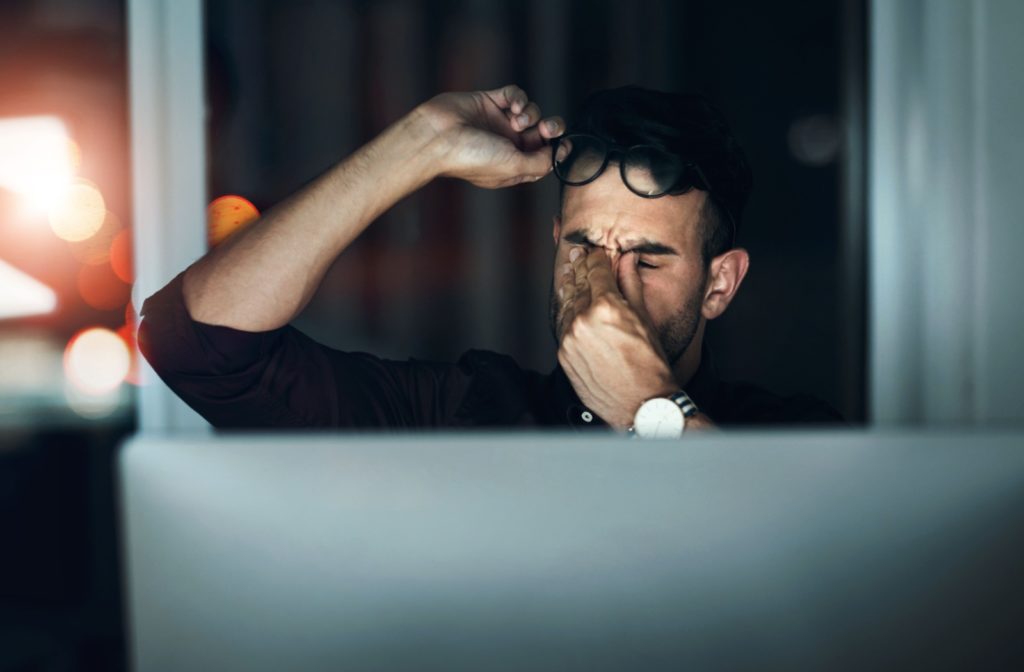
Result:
[{"x": 513, "y": 552}]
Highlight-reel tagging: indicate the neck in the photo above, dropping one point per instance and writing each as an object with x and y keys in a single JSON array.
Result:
[{"x": 687, "y": 365}]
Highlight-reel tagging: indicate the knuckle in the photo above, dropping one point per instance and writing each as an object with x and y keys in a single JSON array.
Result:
[
  {"x": 574, "y": 330},
  {"x": 603, "y": 308}
]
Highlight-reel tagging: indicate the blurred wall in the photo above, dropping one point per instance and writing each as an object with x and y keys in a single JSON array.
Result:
[
  {"x": 946, "y": 212},
  {"x": 295, "y": 87}
]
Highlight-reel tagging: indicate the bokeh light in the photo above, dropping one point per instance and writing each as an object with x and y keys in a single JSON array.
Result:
[
  {"x": 96, "y": 361},
  {"x": 37, "y": 160},
  {"x": 95, "y": 249},
  {"x": 101, "y": 288},
  {"x": 121, "y": 256},
  {"x": 22, "y": 295},
  {"x": 93, "y": 406},
  {"x": 131, "y": 317},
  {"x": 31, "y": 364},
  {"x": 815, "y": 140},
  {"x": 80, "y": 213},
  {"x": 226, "y": 215},
  {"x": 128, "y": 334}
]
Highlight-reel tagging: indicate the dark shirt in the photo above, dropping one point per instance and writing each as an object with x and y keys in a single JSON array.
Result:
[{"x": 284, "y": 379}]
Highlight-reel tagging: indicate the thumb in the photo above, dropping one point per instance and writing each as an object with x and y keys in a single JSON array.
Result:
[
  {"x": 533, "y": 165},
  {"x": 631, "y": 286}
]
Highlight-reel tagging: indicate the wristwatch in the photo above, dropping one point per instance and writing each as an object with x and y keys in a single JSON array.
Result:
[{"x": 663, "y": 417}]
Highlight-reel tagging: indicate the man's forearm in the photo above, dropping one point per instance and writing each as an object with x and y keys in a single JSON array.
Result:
[{"x": 262, "y": 277}]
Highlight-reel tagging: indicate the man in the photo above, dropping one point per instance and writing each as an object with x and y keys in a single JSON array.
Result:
[{"x": 653, "y": 191}]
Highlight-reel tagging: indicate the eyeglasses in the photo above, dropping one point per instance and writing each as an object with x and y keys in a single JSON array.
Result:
[{"x": 649, "y": 172}]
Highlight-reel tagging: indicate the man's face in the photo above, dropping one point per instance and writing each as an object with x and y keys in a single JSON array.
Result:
[{"x": 661, "y": 235}]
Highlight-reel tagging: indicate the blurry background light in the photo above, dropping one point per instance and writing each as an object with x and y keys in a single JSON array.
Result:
[
  {"x": 101, "y": 288},
  {"x": 95, "y": 249},
  {"x": 22, "y": 295},
  {"x": 127, "y": 334},
  {"x": 815, "y": 140},
  {"x": 226, "y": 215},
  {"x": 31, "y": 364},
  {"x": 37, "y": 160},
  {"x": 93, "y": 406},
  {"x": 96, "y": 361},
  {"x": 121, "y": 256},
  {"x": 79, "y": 214}
]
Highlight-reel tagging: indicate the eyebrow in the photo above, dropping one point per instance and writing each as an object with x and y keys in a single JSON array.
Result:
[{"x": 643, "y": 246}]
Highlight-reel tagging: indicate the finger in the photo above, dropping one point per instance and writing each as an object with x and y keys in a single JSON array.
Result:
[
  {"x": 578, "y": 256},
  {"x": 566, "y": 284},
  {"x": 566, "y": 298},
  {"x": 599, "y": 275},
  {"x": 565, "y": 318},
  {"x": 509, "y": 97},
  {"x": 537, "y": 136},
  {"x": 631, "y": 285},
  {"x": 529, "y": 116},
  {"x": 578, "y": 259},
  {"x": 531, "y": 166},
  {"x": 552, "y": 127}
]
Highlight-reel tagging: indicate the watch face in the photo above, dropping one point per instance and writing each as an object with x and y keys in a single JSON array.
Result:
[{"x": 659, "y": 419}]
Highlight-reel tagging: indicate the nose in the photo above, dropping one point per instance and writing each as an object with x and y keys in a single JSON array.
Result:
[
  {"x": 615, "y": 257},
  {"x": 618, "y": 260}
]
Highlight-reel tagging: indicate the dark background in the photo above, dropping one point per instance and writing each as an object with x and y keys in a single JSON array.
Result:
[{"x": 296, "y": 86}]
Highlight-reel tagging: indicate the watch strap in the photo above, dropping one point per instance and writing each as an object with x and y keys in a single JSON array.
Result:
[{"x": 685, "y": 403}]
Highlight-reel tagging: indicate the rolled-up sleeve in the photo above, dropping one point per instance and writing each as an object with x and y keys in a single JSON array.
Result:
[{"x": 285, "y": 379}]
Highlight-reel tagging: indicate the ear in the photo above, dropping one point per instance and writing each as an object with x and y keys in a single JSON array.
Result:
[
  {"x": 556, "y": 230},
  {"x": 724, "y": 279}
]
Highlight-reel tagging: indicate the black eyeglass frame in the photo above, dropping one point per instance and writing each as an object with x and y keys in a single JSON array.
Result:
[{"x": 612, "y": 149}]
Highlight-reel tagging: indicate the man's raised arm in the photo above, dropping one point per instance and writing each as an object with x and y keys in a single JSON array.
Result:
[{"x": 262, "y": 277}]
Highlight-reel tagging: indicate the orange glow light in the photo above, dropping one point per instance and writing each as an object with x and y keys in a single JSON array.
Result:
[
  {"x": 95, "y": 249},
  {"x": 226, "y": 215},
  {"x": 127, "y": 334},
  {"x": 79, "y": 214},
  {"x": 121, "y": 256},
  {"x": 96, "y": 361},
  {"x": 100, "y": 287}
]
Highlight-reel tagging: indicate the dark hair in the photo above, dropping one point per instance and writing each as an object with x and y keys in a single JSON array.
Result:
[{"x": 686, "y": 125}]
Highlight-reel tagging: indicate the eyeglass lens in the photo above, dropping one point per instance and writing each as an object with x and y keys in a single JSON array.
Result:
[
  {"x": 649, "y": 172},
  {"x": 579, "y": 159}
]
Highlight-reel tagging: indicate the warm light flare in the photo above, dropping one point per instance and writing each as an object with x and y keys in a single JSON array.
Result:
[
  {"x": 22, "y": 295},
  {"x": 96, "y": 361},
  {"x": 95, "y": 249},
  {"x": 101, "y": 288},
  {"x": 121, "y": 256},
  {"x": 79, "y": 214},
  {"x": 37, "y": 160},
  {"x": 226, "y": 215}
]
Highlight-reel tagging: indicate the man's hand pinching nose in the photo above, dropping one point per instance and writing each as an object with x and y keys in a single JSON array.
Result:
[{"x": 608, "y": 350}]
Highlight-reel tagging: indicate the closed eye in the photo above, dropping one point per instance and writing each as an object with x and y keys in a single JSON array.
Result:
[{"x": 644, "y": 264}]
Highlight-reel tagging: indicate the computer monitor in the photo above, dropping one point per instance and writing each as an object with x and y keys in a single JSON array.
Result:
[{"x": 816, "y": 550}]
